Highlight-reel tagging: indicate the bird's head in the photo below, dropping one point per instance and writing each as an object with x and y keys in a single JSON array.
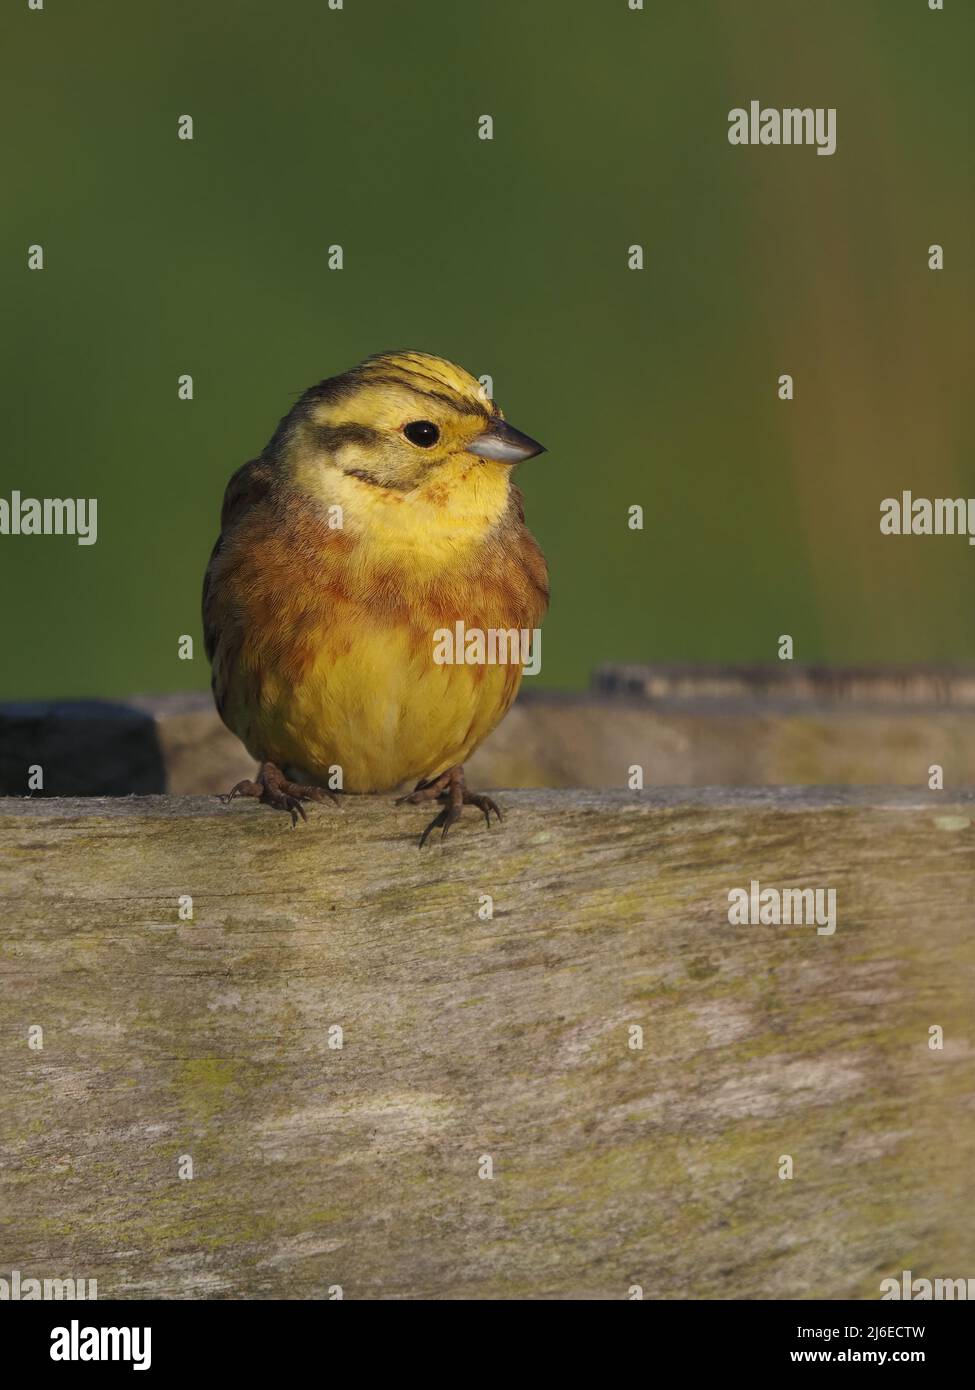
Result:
[{"x": 400, "y": 422}]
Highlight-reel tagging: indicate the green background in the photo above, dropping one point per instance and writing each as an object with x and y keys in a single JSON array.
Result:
[{"x": 658, "y": 387}]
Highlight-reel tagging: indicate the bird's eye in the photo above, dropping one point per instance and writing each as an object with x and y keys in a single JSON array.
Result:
[{"x": 423, "y": 433}]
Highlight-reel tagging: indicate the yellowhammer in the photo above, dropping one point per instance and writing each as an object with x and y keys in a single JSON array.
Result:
[{"x": 381, "y": 513}]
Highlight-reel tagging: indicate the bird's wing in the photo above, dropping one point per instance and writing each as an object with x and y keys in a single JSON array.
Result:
[{"x": 249, "y": 487}]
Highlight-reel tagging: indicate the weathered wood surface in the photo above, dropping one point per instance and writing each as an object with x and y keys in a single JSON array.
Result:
[{"x": 316, "y": 1167}]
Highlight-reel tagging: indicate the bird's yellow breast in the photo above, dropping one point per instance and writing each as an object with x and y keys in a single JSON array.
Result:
[
  {"x": 328, "y": 656},
  {"x": 374, "y": 704}
]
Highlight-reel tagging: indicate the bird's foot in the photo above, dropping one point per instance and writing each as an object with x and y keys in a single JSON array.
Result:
[
  {"x": 275, "y": 789},
  {"x": 451, "y": 789}
]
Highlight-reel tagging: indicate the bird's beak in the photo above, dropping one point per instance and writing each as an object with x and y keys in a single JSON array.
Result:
[{"x": 504, "y": 443}]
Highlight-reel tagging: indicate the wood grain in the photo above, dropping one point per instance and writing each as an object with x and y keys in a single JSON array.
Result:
[{"x": 357, "y": 1167}]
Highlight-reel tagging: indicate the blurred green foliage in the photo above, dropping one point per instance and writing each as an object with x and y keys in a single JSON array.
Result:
[{"x": 655, "y": 387}]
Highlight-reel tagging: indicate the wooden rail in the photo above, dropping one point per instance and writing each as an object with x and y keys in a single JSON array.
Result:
[
  {"x": 475, "y": 1043},
  {"x": 468, "y": 1037}
]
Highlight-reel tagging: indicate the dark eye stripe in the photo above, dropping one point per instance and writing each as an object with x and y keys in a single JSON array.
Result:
[{"x": 332, "y": 437}]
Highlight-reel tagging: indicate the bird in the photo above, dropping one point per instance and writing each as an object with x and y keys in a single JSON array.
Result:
[{"x": 381, "y": 513}]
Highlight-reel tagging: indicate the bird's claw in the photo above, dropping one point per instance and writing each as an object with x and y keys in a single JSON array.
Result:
[
  {"x": 450, "y": 788},
  {"x": 275, "y": 790}
]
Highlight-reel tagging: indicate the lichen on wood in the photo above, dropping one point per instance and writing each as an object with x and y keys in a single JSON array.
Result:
[{"x": 466, "y": 1036}]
